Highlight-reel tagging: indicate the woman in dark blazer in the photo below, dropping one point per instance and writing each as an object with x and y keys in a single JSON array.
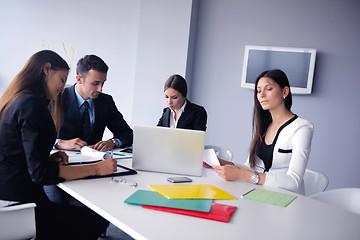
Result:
[
  {"x": 27, "y": 135},
  {"x": 181, "y": 113}
]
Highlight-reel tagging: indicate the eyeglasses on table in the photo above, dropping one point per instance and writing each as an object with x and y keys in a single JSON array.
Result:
[{"x": 129, "y": 182}]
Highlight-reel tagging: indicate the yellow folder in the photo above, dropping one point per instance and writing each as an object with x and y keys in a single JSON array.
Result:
[{"x": 191, "y": 191}]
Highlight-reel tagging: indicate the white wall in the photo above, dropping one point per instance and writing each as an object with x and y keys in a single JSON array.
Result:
[{"x": 108, "y": 29}]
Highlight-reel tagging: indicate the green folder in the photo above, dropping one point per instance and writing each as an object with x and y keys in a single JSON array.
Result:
[
  {"x": 269, "y": 197},
  {"x": 150, "y": 198}
]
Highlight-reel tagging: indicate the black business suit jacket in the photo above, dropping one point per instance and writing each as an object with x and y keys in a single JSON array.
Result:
[
  {"x": 194, "y": 117},
  {"x": 27, "y": 135},
  {"x": 106, "y": 115}
]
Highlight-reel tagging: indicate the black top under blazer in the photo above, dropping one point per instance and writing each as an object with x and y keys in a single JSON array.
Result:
[
  {"x": 27, "y": 135},
  {"x": 194, "y": 117},
  {"x": 106, "y": 115}
]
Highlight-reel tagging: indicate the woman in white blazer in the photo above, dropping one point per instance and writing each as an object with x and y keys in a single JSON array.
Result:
[{"x": 281, "y": 143}]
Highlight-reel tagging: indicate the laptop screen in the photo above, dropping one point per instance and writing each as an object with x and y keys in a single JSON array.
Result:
[{"x": 168, "y": 150}]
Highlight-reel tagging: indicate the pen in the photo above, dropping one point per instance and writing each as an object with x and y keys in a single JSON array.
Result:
[
  {"x": 117, "y": 154},
  {"x": 112, "y": 153},
  {"x": 247, "y": 192}
]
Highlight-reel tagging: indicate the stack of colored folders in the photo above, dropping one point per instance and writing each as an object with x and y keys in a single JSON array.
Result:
[{"x": 188, "y": 199}]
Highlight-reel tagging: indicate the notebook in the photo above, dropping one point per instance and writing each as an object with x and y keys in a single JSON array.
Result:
[
  {"x": 269, "y": 197},
  {"x": 150, "y": 198},
  {"x": 191, "y": 191},
  {"x": 168, "y": 150}
]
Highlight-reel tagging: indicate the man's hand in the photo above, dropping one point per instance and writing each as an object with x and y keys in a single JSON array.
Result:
[
  {"x": 104, "y": 145},
  {"x": 75, "y": 143}
]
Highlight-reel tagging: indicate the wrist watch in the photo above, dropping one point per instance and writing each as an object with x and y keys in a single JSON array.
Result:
[
  {"x": 255, "y": 178},
  {"x": 114, "y": 142}
]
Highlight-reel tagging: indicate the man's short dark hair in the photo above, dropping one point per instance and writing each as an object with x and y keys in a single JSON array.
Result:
[{"x": 89, "y": 62}]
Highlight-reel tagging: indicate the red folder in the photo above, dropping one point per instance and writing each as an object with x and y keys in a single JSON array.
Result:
[{"x": 218, "y": 212}]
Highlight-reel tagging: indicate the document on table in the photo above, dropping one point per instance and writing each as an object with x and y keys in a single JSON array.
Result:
[
  {"x": 78, "y": 158},
  {"x": 218, "y": 212},
  {"x": 121, "y": 155},
  {"x": 144, "y": 197},
  {"x": 191, "y": 191},
  {"x": 120, "y": 171},
  {"x": 86, "y": 155},
  {"x": 89, "y": 155},
  {"x": 269, "y": 197}
]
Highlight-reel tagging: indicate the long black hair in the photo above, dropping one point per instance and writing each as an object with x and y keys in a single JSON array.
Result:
[{"x": 262, "y": 118}]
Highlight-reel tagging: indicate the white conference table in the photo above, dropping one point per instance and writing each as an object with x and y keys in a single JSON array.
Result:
[{"x": 304, "y": 218}]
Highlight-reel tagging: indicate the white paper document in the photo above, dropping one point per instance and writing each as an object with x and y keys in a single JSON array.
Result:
[
  {"x": 78, "y": 158},
  {"x": 88, "y": 151},
  {"x": 210, "y": 157},
  {"x": 120, "y": 169}
]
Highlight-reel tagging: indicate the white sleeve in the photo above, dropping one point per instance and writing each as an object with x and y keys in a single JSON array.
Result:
[
  {"x": 291, "y": 179},
  {"x": 245, "y": 165}
]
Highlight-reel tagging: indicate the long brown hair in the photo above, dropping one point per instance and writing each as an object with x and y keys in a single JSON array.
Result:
[
  {"x": 31, "y": 79},
  {"x": 262, "y": 118}
]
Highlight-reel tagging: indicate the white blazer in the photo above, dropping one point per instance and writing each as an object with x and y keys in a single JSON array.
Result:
[{"x": 290, "y": 157}]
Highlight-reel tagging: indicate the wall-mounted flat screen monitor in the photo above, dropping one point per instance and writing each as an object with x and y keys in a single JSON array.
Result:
[{"x": 297, "y": 63}]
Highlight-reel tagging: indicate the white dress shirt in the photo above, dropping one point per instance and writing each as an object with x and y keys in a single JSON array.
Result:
[{"x": 173, "y": 123}]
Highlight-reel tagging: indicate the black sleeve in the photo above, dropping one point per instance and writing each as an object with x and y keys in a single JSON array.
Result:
[
  {"x": 200, "y": 119},
  {"x": 38, "y": 134},
  {"x": 161, "y": 120},
  {"x": 118, "y": 126}
]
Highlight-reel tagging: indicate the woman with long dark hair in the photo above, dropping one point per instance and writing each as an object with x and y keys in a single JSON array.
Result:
[
  {"x": 281, "y": 141},
  {"x": 27, "y": 135}
]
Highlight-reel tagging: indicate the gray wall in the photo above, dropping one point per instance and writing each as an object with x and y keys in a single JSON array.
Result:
[
  {"x": 330, "y": 26},
  {"x": 162, "y": 50}
]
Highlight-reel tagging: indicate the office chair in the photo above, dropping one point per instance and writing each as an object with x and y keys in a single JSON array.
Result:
[
  {"x": 314, "y": 182},
  {"x": 223, "y": 153},
  {"x": 346, "y": 198},
  {"x": 18, "y": 222}
]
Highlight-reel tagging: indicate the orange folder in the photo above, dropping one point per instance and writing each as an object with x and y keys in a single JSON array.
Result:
[{"x": 218, "y": 212}]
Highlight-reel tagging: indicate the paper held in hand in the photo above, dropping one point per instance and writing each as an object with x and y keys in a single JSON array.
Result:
[{"x": 210, "y": 157}]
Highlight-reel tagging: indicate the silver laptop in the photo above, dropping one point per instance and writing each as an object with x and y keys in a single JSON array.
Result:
[{"x": 168, "y": 150}]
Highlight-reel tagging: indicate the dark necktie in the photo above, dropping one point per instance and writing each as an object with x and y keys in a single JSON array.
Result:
[{"x": 86, "y": 121}]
